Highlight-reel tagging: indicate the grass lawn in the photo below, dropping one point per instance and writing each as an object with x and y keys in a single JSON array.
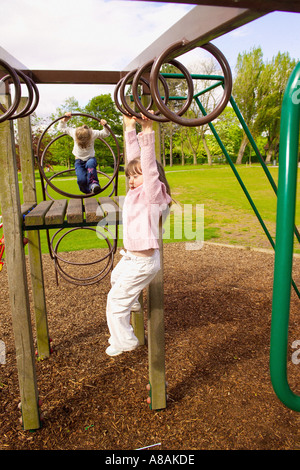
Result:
[{"x": 228, "y": 216}]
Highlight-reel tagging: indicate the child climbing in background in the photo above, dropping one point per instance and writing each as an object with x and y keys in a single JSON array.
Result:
[
  {"x": 148, "y": 197},
  {"x": 84, "y": 152}
]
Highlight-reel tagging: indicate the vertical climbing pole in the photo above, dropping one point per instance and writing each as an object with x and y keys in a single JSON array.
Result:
[
  {"x": 16, "y": 270},
  {"x": 34, "y": 245},
  {"x": 286, "y": 204},
  {"x": 156, "y": 327},
  {"x": 156, "y": 338}
]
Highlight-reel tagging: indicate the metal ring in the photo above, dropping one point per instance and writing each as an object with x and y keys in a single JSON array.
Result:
[
  {"x": 137, "y": 74},
  {"x": 41, "y": 159},
  {"x": 126, "y": 109},
  {"x": 125, "y": 81},
  {"x": 15, "y": 79},
  {"x": 32, "y": 100},
  {"x": 116, "y": 99},
  {"x": 28, "y": 104},
  {"x": 35, "y": 101},
  {"x": 73, "y": 169},
  {"x": 189, "y": 99},
  {"x": 175, "y": 117},
  {"x": 82, "y": 280},
  {"x": 137, "y": 78}
]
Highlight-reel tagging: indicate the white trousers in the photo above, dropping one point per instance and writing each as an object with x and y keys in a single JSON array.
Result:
[{"x": 130, "y": 276}]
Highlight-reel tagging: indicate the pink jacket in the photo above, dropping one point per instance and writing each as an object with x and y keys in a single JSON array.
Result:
[{"x": 143, "y": 205}]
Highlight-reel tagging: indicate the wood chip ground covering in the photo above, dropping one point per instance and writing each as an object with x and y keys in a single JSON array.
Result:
[{"x": 217, "y": 329}]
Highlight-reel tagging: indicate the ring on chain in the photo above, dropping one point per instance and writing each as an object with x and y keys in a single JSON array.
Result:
[
  {"x": 136, "y": 97},
  {"x": 113, "y": 190},
  {"x": 58, "y": 259},
  {"x": 126, "y": 109},
  {"x": 15, "y": 79},
  {"x": 175, "y": 117},
  {"x": 33, "y": 96},
  {"x": 30, "y": 96},
  {"x": 156, "y": 116},
  {"x": 42, "y": 157},
  {"x": 32, "y": 100},
  {"x": 32, "y": 104}
]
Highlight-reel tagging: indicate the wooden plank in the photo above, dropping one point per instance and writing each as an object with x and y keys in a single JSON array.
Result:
[
  {"x": 108, "y": 203},
  {"x": 11, "y": 60},
  {"x": 93, "y": 210},
  {"x": 76, "y": 76},
  {"x": 26, "y": 207},
  {"x": 75, "y": 211},
  {"x": 201, "y": 25},
  {"x": 17, "y": 277},
  {"x": 272, "y": 5},
  {"x": 56, "y": 213},
  {"x": 156, "y": 338},
  {"x": 119, "y": 200},
  {"x": 37, "y": 215},
  {"x": 156, "y": 328},
  {"x": 113, "y": 213}
]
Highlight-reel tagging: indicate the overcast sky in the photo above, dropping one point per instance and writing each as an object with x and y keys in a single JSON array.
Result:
[{"x": 107, "y": 35}]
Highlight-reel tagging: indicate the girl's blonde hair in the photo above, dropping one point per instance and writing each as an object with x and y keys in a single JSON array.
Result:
[
  {"x": 134, "y": 167},
  {"x": 83, "y": 136}
]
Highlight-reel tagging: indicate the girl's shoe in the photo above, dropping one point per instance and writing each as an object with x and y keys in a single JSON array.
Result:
[
  {"x": 95, "y": 188},
  {"x": 111, "y": 351},
  {"x": 136, "y": 307}
]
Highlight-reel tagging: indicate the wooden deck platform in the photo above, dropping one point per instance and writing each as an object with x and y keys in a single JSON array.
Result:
[{"x": 63, "y": 213}]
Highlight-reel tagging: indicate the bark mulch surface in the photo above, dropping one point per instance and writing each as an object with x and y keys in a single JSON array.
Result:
[{"x": 217, "y": 330}]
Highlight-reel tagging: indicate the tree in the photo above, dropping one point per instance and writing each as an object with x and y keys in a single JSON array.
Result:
[
  {"x": 229, "y": 131},
  {"x": 272, "y": 84},
  {"x": 103, "y": 107},
  {"x": 70, "y": 105},
  {"x": 246, "y": 88}
]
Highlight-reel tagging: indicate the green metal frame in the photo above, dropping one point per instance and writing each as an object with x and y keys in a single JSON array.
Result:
[
  {"x": 219, "y": 81},
  {"x": 285, "y": 224}
]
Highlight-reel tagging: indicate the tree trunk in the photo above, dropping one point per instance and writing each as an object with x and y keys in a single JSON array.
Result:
[
  {"x": 271, "y": 151},
  {"x": 192, "y": 148},
  {"x": 195, "y": 157},
  {"x": 171, "y": 149},
  {"x": 182, "y": 152},
  {"x": 242, "y": 150},
  {"x": 209, "y": 159},
  {"x": 269, "y": 155},
  {"x": 163, "y": 148}
]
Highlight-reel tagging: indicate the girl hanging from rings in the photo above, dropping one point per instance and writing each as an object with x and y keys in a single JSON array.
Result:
[
  {"x": 84, "y": 152},
  {"x": 146, "y": 201}
]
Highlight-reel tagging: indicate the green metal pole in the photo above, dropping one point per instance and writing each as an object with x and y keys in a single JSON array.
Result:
[{"x": 286, "y": 197}]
